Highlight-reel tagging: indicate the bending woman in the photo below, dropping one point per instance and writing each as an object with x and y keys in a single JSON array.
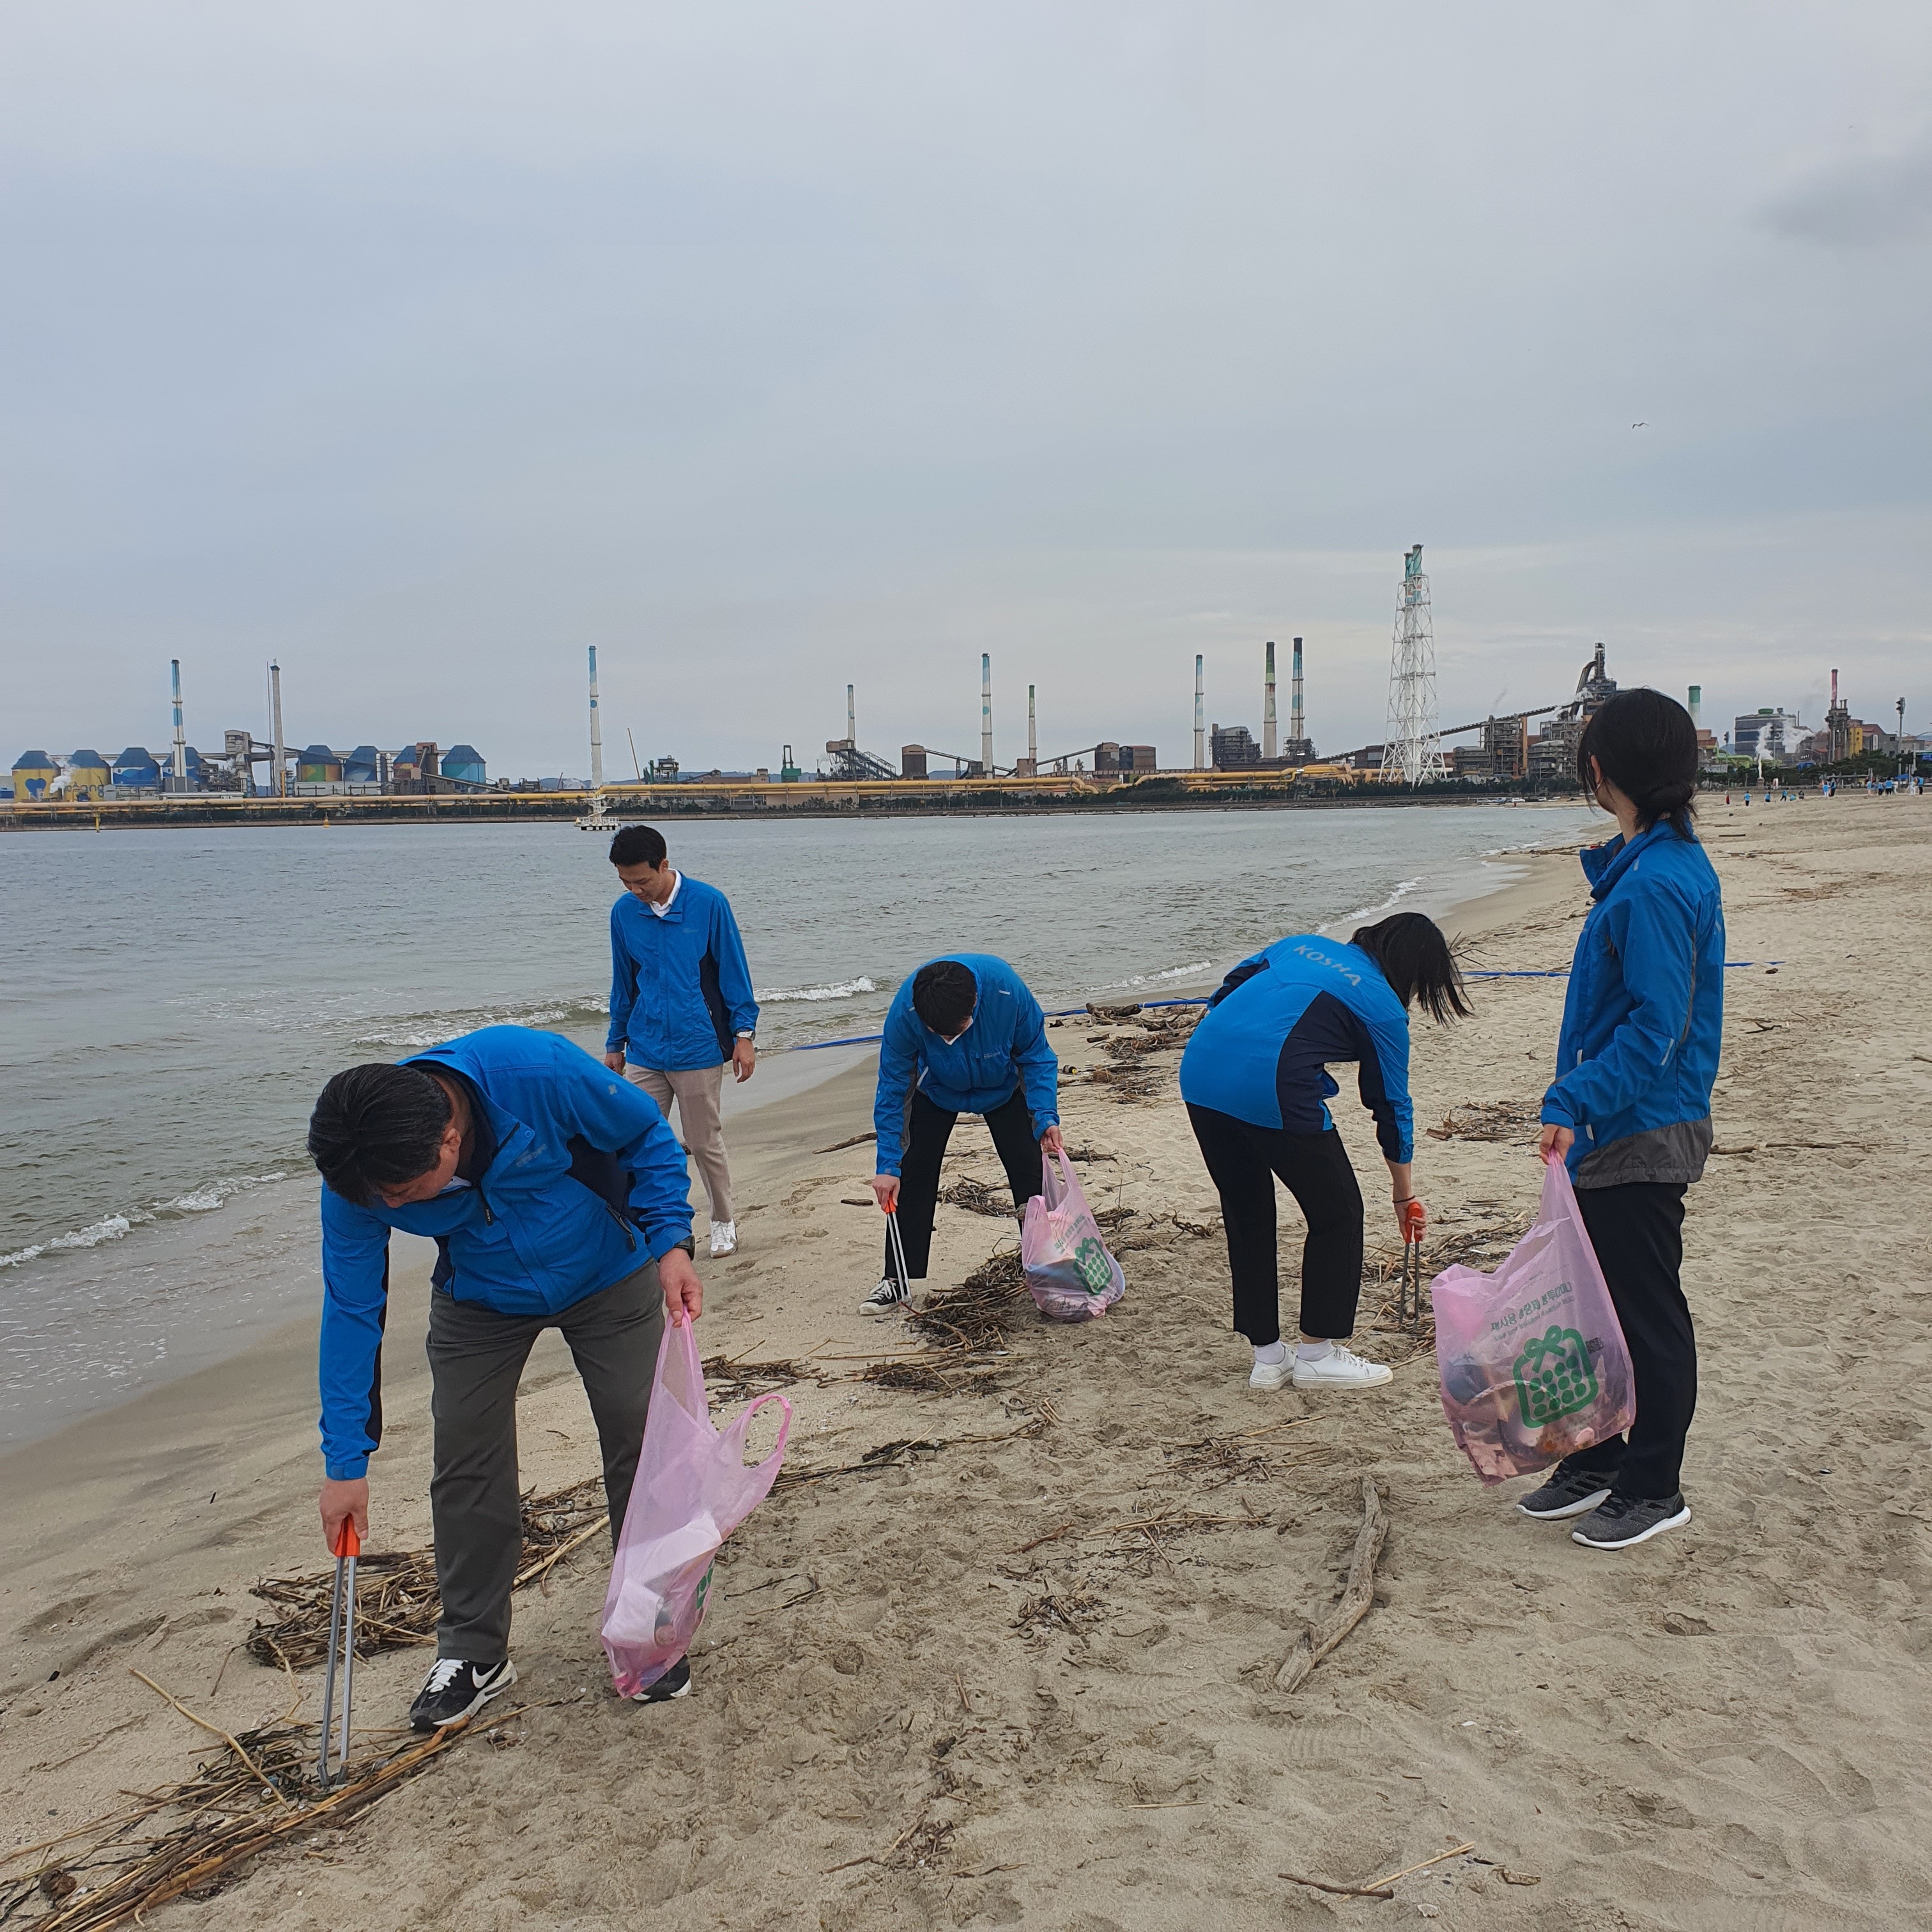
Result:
[
  {"x": 1630, "y": 1109},
  {"x": 1254, "y": 1080}
]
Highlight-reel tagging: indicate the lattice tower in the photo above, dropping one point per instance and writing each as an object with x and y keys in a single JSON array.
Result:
[{"x": 1413, "y": 752}]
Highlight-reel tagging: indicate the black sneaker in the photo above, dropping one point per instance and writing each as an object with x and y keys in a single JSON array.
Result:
[
  {"x": 1624, "y": 1521},
  {"x": 676, "y": 1682},
  {"x": 888, "y": 1298},
  {"x": 1567, "y": 1492},
  {"x": 454, "y": 1690}
]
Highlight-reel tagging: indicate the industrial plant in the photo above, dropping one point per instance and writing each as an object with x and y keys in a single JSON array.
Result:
[{"x": 1417, "y": 753}]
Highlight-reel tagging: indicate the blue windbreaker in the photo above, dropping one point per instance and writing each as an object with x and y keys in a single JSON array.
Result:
[
  {"x": 1644, "y": 1013},
  {"x": 1262, "y": 1050},
  {"x": 680, "y": 989},
  {"x": 583, "y": 1183},
  {"x": 1005, "y": 1046}
]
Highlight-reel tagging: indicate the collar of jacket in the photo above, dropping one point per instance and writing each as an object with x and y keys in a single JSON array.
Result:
[
  {"x": 496, "y": 1127},
  {"x": 1604, "y": 865}
]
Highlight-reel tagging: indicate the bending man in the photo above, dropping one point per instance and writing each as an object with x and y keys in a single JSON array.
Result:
[
  {"x": 963, "y": 1035},
  {"x": 558, "y": 1198},
  {"x": 681, "y": 1005},
  {"x": 1254, "y": 1079}
]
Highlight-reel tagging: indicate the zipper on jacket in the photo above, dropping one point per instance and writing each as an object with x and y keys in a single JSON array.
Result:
[
  {"x": 630, "y": 1233},
  {"x": 483, "y": 1200}
]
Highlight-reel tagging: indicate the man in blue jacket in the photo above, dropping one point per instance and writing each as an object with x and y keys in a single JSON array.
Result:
[
  {"x": 559, "y": 1197},
  {"x": 963, "y": 1035},
  {"x": 681, "y": 1004}
]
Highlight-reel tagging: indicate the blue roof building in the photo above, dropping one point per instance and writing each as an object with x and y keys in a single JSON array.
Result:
[
  {"x": 138, "y": 769},
  {"x": 464, "y": 762},
  {"x": 362, "y": 766},
  {"x": 33, "y": 773}
]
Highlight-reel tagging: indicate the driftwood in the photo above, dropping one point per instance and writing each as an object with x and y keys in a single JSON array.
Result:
[{"x": 1317, "y": 1642}]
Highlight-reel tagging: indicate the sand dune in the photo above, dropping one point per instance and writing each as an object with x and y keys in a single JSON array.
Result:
[{"x": 1027, "y": 1673}]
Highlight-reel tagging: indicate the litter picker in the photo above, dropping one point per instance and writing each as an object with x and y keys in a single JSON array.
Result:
[
  {"x": 1408, "y": 1294},
  {"x": 341, "y": 1643},
  {"x": 898, "y": 1255}
]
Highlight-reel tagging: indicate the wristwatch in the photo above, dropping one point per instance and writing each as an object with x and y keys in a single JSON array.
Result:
[
  {"x": 688, "y": 1244},
  {"x": 746, "y": 1033}
]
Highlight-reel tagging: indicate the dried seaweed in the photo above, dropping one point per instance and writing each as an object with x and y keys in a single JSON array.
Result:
[
  {"x": 1052, "y": 1610},
  {"x": 976, "y": 1314},
  {"x": 397, "y": 1601},
  {"x": 1485, "y": 1120},
  {"x": 976, "y": 1197}
]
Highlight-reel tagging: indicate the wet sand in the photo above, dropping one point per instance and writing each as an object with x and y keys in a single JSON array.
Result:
[{"x": 981, "y": 1678}]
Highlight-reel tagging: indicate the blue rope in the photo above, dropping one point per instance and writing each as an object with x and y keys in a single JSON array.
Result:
[{"x": 1075, "y": 1012}]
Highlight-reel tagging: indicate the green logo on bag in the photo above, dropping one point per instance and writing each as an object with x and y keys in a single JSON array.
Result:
[
  {"x": 1554, "y": 1376},
  {"x": 1096, "y": 1269}
]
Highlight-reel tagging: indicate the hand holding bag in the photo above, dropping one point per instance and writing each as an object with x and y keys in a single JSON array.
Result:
[{"x": 1070, "y": 1273}]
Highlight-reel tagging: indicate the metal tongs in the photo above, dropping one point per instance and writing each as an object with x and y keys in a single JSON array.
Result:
[
  {"x": 341, "y": 1644},
  {"x": 1408, "y": 1293},
  {"x": 899, "y": 1254}
]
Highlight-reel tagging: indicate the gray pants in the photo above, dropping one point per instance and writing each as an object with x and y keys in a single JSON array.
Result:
[{"x": 476, "y": 1358}]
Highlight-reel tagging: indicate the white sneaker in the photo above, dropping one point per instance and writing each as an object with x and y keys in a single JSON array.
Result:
[
  {"x": 723, "y": 1238},
  {"x": 1340, "y": 1368},
  {"x": 888, "y": 1298},
  {"x": 1271, "y": 1374}
]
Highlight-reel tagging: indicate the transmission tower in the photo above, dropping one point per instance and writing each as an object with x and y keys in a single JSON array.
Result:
[{"x": 1413, "y": 753}]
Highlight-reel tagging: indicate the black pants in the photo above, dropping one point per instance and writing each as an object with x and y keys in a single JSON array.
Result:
[
  {"x": 1637, "y": 1230},
  {"x": 927, "y": 1132},
  {"x": 1243, "y": 1161},
  {"x": 476, "y": 1358}
]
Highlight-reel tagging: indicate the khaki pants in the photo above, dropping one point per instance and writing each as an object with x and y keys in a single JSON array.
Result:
[{"x": 700, "y": 1125}]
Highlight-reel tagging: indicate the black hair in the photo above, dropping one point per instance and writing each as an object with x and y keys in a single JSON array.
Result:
[
  {"x": 638, "y": 845},
  {"x": 944, "y": 993},
  {"x": 377, "y": 1124},
  {"x": 1646, "y": 745},
  {"x": 1418, "y": 963}
]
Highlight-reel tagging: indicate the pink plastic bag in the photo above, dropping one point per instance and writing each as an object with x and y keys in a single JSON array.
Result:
[
  {"x": 692, "y": 1489},
  {"x": 1533, "y": 1362},
  {"x": 1070, "y": 1273}
]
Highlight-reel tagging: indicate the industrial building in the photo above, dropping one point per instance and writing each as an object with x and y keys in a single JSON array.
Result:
[{"x": 1768, "y": 733}]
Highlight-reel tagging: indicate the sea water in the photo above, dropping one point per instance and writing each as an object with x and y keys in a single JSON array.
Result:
[{"x": 174, "y": 1000}]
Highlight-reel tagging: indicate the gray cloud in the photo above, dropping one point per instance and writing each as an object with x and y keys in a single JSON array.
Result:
[{"x": 1884, "y": 202}]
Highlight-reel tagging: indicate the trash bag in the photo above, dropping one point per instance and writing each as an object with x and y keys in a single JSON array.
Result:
[
  {"x": 1533, "y": 1362},
  {"x": 1070, "y": 1273},
  {"x": 692, "y": 1489}
]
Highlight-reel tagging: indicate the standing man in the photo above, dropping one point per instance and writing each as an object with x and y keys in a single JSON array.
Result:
[
  {"x": 558, "y": 1198},
  {"x": 681, "y": 1005},
  {"x": 963, "y": 1035}
]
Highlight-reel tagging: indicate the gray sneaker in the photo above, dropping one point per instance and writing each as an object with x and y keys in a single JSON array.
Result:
[
  {"x": 1567, "y": 1492},
  {"x": 1626, "y": 1521}
]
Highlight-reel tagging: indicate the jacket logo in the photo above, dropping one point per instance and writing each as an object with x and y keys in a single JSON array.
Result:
[{"x": 1333, "y": 965}]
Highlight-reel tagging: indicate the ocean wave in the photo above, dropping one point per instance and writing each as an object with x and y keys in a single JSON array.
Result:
[
  {"x": 1135, "y": 980},
  {"x": 835, "y": 989},
  {"x": 202, "y": 1200},
  {"x": 418, "y": 1030},
  {"x": 1400, "y": 892}
]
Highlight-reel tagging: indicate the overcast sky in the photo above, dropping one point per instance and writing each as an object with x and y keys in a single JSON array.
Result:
[{"x": 770, "y": 346}]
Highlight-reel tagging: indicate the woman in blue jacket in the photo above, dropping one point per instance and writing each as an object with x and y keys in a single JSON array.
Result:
[
  {"x": 1254, "y": 1081},
  {"x": 1630, "y": 1108}
]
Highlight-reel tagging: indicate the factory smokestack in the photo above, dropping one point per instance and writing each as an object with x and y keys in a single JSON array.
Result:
[
  {"x": 180, "y": 739},
  {"x": 1696, "y": 700},
  {"x": 851, "y": 720},
  {"x": 986, "y": 714},
  {"x": 1835, "y": 690},
  {"x": 281, "y": 785},
  {"x": 596, "y": 729},
  {"x": 1200, "y": 738},
  {"x": 1268, "y": 706},
  {"x": 1297, "y": 725},
  {"x": 1033, "y": 737}
]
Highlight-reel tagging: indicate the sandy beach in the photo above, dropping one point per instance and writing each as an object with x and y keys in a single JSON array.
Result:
[{"x": 1024, "y": 1668}]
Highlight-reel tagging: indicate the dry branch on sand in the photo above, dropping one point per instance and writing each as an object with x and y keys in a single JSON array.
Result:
[
  {"x": 977, "y": 1197},
  {"x": 1486, "y": 1120},
  {"x": 397, "y": 1601},
  {"x": 1318, "y": 1641},
  {"x": 264, "y": 1793}
]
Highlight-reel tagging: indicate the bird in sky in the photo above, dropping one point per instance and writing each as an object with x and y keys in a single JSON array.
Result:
[{"x": 1640, "y": 425}]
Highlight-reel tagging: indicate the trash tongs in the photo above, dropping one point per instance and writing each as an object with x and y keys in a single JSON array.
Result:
[
  {"x": 1409, "y": 1291},
  {"x": 341, "y": 1644},
  {"x": 899, "y": 1254}
]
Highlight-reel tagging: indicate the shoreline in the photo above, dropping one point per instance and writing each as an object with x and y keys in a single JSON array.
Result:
[{"x": 950, "y": 1621}]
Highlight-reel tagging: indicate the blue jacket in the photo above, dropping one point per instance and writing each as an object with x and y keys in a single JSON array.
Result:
[
  {"x": 582, "y": 1183},
  {"x": 1005, "y": 1046},
  {"x": 1644, "y": 1008},
  {"x": 680, "y": 989},
  {"x": 1261, "y": 1051}
]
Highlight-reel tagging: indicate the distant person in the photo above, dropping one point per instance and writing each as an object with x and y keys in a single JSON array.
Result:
[
  {"x": 964, "y": 1035},
  {"x": 1254, "y": 1078},
  {"x": 1630, "y": 1109},
  {"x": 558, "y": 1198},
  {"x": 681, "y": 1005}
]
